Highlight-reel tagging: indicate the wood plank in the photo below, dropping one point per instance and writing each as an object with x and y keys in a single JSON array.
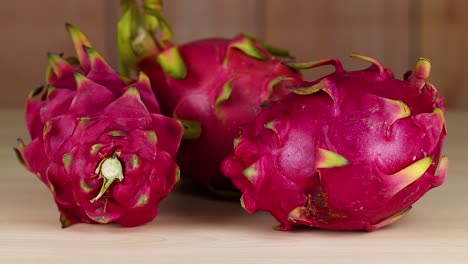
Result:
[
  {"x": 396, "y": 33},
  {"x": 33, "y": 28},
  {"x": 199, "y": 19},
  {"x": 191, "y": 229},
  {"x": 335, "y": 28},
  {"x": 444, "y": 39}
]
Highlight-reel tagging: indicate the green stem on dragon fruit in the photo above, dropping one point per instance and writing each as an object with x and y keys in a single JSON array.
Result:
[{"x": 110, "y": 169}]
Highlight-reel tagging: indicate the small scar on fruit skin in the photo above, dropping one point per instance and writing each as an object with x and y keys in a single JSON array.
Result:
[{"x": 318, "y": 205}]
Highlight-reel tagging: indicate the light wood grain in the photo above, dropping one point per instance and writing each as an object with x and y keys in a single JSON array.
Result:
[
  {"x": 192, "y": 20},
  {"x": 30, "y": 29},
  {"x": 394, "y": 32},
  {"x": 193, "y": 229},
  {"x": 444, "y": 39},
  {"x": 334, "y": 29}
]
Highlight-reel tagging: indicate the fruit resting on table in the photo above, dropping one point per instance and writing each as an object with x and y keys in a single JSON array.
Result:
[
  {"x": 99, "y": 143},
  {"x": 350, "y": 151},
  {"x": 214, "y": 86}
]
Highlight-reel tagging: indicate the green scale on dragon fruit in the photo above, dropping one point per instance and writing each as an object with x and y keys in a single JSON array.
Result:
[
  {"x": 350, "y": 151},
  {"x": 98, "y": 141},
  {"x": 214, "y": 86}
]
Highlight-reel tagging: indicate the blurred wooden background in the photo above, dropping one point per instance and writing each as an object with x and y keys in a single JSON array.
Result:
[{"x": 394, "y": 32}]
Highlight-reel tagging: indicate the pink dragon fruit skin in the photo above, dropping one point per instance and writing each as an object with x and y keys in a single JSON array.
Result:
[
  {"x": 350, "y": 151},
  {"x": 213, "y": 86},
  {"x": 99, "y": 144},
  {"x": 218, "y": 97}
]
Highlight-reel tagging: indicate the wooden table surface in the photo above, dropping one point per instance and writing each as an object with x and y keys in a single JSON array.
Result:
[{"x": 191, "y": 229}]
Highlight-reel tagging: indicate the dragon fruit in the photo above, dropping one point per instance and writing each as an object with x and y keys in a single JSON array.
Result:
[
  {"x": 98, "y": 143},
  {"x": 213, "y": 86},
  {"x": 350, "y": 151}
]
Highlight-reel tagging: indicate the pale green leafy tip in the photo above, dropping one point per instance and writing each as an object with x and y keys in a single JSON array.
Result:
[
  {"x": 151, "y": 136},
  {"x": 67, "y": 161},
  {"x": 143, "y": 200},
  {"x": 192, "y": 129},
  {"x": 116, "y": 133},
  {"x": 19, "y": 152},
  {"x": 275, "y": 51},
  {"x": 172, "y": 63},
  {"x": 247, "y": 47},
  {"x": 135, "y": 161},
  {"x": 225, "y": 93},
  {"x": 84, "y": 186},
  {"x": 95, "y": 148}
]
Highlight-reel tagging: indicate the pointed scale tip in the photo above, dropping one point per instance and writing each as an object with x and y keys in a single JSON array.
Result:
[
  {"x": 172, "y": 63},
  {"x": 142, "y": 77},
  {"x": 79, "y": 79},
  {"x": 90, "y": 51},
  {"x": 132, "y": 91},
  {"x": 326, "y": 159},
  {"x": 19, "y": 156},
  {"x": 57, "y": 65},
  {"x": 368, "y": 59},
  {"x": 20, "y": 143},
  {"x": 313, "y": 64},
  {"x": 79, "y": 75},
  {"x": 94, "y": 56},
  {"x": 408, "y": 175},
  {"x": 248, "y": 204},
  {"x": 420, "y": 74},
  {"x": 388, "y": 221},
  {"x": 65, "y": 221},
  {"x": 78, "y": 37},
  {"x": 35, "y": 92},
  {"x": 275, "y": 51},
  {"x": 442, "y": 166},
  {"x": 251, "y": 173},
  {"x": 50, "y": 89},
  {"x": 55, "y": 60},
  {"x": 68, "y": 25},
  {"x": 423, "y": 68},
  {"x": 246, "y": 46},
  {"x": 192, "y": 129},
  {"x": 72, "y": 29},
  {"x": 305, "y": 90},
  {"x": 79, "y": 40},
  {"x": 242, "y": 203},
  {"x": 224, "y": 94},
  {"x": 441, "y": 171}
]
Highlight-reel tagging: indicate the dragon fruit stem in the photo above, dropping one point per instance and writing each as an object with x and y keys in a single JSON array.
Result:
[
  {"x": 141, "y": 33},
  {"x": 109, "y": 169}
]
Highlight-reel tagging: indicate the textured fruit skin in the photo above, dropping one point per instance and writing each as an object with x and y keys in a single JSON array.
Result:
[
  {"x": 210, "y": 65},
  {"x": 350, "y": 151},
  {"x": 87, "y": 114}
]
